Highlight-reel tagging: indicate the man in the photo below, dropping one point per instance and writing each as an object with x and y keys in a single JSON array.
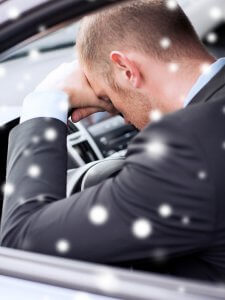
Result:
[{"x": 164, "y": 211}]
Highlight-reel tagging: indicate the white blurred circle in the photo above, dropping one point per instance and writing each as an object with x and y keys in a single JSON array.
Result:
[
  {"x": 202, "y": 175},
  {"x": 142, "y": 228},
  {"x": 42, "y": 28},
  {"x": 13, "y": 13},
  {"x": 107, "y": 281},
  {"x": 205, "y": 68},
  {"x": 212, "y": 37},
  {"x": 98, "y": 215},
  {"x": 155, "y": 115},
  {"x": 34, "y": 171},
  {"x": 26, "y": 152},
  {"x": 215, "y": 13},
  {"x": 41, "y": 198},
  {"x": 173, "y": 67},
  {"x": 34, "y": 54},
  {"x": 185, "y": 220},
  {"x": 35, "y": 139},
  {"x": 165, "y": 210},
  {"x": 50, "y": 134},
  {"x": 62, "y": 246},
  {"x": 8, "y": 189},
  {"x": 156, "y": 149},
  {"x": 171, "y": 4},
  {"x": 165, "y": 43}
]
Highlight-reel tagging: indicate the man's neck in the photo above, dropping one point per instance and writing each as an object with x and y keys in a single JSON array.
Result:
[
  {"x": 191, "y": 73},
  {"x": 173, "y": 81}
]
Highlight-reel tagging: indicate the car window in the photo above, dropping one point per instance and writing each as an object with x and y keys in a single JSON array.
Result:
[
  {"x": 11, "y": 9},
  {"x": 25, "y": 68},
  {"x": 22, "y": 72}
]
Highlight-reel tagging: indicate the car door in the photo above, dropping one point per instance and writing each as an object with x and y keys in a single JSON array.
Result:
[{"x": 26, "y": 275}]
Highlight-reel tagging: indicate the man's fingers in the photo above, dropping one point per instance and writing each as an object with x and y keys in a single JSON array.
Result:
[{"x": 82, "y": 113}]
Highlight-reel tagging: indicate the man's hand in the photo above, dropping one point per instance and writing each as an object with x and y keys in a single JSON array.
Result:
[{"x": 70, "y": 79}]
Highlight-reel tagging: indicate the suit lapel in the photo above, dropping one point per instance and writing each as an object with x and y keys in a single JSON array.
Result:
[{"x": 214, "y": 85}]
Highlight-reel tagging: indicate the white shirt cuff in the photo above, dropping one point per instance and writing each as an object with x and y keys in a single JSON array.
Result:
[{"x": 49, "y": 104}]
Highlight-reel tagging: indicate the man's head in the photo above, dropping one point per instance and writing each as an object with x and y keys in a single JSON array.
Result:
[{"x": 132, "y": 54}]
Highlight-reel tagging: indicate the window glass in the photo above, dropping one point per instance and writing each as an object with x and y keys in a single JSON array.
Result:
[
  {"x": 11, "y": 9},
  {"x": 26, "y": 68}
]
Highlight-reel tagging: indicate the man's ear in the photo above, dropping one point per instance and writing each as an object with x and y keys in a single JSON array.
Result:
[{"x": 129, "y": 68}]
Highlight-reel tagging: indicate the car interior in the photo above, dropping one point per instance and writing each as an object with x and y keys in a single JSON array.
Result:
[
  {"x": 91, "y": 141},
  {"x": 97, "y": 140},
  {"x": 97, "y": 145}
]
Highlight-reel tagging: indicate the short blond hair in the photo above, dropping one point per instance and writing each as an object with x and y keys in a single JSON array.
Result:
[{"x": 149, "y": 26}]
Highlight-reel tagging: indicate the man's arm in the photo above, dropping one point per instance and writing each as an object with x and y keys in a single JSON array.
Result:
[{"x": 156, "y": 202}]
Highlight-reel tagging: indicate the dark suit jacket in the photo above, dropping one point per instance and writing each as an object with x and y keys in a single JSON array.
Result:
[{"x": 188, "y": 174}]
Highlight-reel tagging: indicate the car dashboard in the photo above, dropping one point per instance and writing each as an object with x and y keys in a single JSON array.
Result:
[{"x": 97, "y": 137}]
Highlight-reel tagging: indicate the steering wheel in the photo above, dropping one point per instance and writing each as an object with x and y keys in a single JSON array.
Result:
[{"x": 93, "y": 174}]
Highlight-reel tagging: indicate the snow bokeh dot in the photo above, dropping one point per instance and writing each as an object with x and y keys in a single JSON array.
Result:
[
  {"x": 27, "y": 152},
  {"x": 35, "y": 139},
  {"x": 98, "y": 215},
  {"x": 172, "y": 4},
  {"x": 34, "y": 171},
  {"x": 173, "y": 67},
  {"x": 142, "y": 228},
  {"x": 165, "y": 43},
  {"x": 216, "y": 13},
  {"x": 8, "y": 189},
  {"x": 63, "y": 246},
  {"x": 13, "y": 13},
  {"x": 205, "y": 68},
  {"x": 202, "y": 175},
  {"x": 50, "y": 134},
  {"x": 155, "y": 115},
  {"x": 42, "y": 28},
  {"x": 34, "y": 54},
  {"x": 185, "y": 220},
  {"x": 41, "y": 198},
  {"x": 107, "y": 281},
  {"x": 156, "y": 149},
  {"x": 165, "y": 210},
  {"x": 212, "y": 37}
]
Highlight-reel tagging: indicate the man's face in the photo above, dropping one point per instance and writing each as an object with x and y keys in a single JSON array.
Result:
[{"x": 131, "y": 103}]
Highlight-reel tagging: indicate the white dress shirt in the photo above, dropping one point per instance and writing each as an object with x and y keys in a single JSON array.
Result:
[
  {"x": 49, "y": 104},
  {"x": 202, "y": 81}
]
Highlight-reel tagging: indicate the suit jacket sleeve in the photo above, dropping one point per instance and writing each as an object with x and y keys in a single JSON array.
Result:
[{"x": 160, "y": 182}]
